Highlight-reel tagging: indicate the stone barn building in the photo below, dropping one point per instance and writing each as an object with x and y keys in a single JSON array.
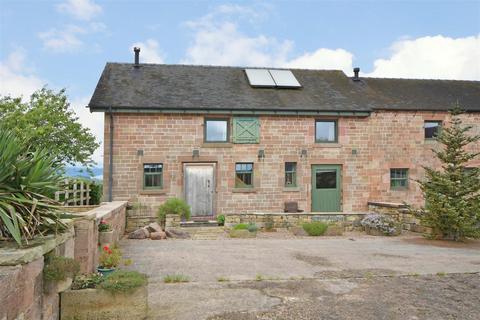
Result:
[{"x": 233, "y": 140}]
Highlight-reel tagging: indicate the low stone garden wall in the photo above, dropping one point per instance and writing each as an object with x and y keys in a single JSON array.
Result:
[
  {"x": 139, "y": 216},
  {"x": 87, "y": 235},
  {"x": 409, "y": 222},
  {"x": 23, "y": 293},
  {"x": 287, "y": 220}
]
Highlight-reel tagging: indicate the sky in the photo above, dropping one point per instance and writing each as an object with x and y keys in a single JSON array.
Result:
[{"x": 65, "y": 44}]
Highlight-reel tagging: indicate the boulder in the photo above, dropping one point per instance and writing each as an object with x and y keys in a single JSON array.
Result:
[
  {"x": 158, "y": 235},
  {"x": 177, "y": 234},
  {"x": 154, "y": 227},
  {"x": 141, "y": 233}
]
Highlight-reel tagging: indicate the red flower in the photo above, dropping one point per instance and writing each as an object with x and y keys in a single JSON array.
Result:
[
  {"x": 106, "y": 248},
  {"x": 109, "y": 251}
]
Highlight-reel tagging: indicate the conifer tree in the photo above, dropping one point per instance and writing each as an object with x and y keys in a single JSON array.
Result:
[{"x": 452, "y": 194}]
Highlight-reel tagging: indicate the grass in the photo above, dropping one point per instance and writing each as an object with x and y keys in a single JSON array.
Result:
[
  {"x": 240, "y": 226},
  {"x": 175, "y": 278},
  {"x": 259, "y": 277},
  {"x": 122, "y": 281},
  {"x": 441, "y": 274},
  {"x": 315, "y": 228},
  {"x": 222, "y": 279}
]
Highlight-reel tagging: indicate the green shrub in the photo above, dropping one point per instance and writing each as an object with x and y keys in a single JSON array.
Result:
[
  {"x": 252, "y": 227},
  {"x": 58, "y": 268},
  {"x": 173, "y": 206},
  {"x": 315, "y": 228},
  {"x": 89, "y": 281},
  {"x": 240, "y": 226},
  {"x": 175, "y": 278},
  {"x": 122, "y": 281},
  {"x": 221, "y": 220},
  {"x": 96, "y": 192},
  {"x": 269, "y": 223}
]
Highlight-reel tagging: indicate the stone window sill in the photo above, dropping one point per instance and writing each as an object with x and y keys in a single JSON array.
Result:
[
  {"x": 216, "y": 145},
  {"x": 291, "y": 189},
  {"x": 244, "y": 190},
  {"x": 153, "y": 192},
  {"x": 327, "y": 145}
]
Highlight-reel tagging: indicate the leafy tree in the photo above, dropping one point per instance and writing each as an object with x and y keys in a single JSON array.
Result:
[
  {"x": 47, "y": 122},
  {"x": 452, "y": 194}
]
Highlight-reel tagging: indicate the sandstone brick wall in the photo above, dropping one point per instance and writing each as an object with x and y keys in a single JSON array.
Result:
[
  {"x": 382, "y": 141},
  {"x": 86, "y": 232},
  {"x": 22, "y": 288}
]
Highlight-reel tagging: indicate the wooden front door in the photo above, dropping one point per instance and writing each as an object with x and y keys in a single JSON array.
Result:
[
  {"x": 326, "y": 188},
  {"x": 200, "y": 189}
]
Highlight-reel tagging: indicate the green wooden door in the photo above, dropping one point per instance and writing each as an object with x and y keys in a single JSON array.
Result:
[{"x": 326, "y": 188}]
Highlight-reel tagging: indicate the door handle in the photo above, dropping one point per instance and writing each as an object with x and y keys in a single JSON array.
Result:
[{"x": 208, "y": 184}]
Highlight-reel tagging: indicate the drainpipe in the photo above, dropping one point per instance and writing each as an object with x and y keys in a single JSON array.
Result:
[{"x": 110, "y": 158}]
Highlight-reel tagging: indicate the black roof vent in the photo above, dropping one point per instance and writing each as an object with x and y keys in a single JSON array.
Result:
[
  {"x": 356, "y": 71},
  {"x": 137, "y": 56}
]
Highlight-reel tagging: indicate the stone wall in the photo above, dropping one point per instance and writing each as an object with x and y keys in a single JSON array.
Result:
[
  {"x": 86, "y": 231},
  {"x": 367, "y": 148},
  {"x": 22, "y": 288},
  {"x": 287, "y": 220}
]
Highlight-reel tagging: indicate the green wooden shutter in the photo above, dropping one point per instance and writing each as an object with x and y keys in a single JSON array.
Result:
[{"x": 246, "y": 130}]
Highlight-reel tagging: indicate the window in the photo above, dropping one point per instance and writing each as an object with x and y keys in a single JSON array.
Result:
[
  {"x": 326, "y": 179},
  {"x": 326, "y": 131},
  {"x": 153, "y": 176},
  {"x": 290, "y": 174},
  {"x": 216, "y": 130},
  {"x": 246, "y": 130},
  {"x": 432, "y": 129},
  {"x": 398, "y": 178},
  {"x": 243, "y": 175}
]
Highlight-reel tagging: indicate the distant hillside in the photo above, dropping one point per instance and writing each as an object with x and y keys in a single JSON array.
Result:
[{"x": 82, "y": 172}]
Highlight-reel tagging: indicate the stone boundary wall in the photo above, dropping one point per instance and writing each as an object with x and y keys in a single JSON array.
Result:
[
  {"x": 22, "y": 289},
  {"x": 87, "y": 235},
  {"x": 409, "y": 222},
  {"x": 350, "y": 221},
  {"x": 139, "y": 215}
]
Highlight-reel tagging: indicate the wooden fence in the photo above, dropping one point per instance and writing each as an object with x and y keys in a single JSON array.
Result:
[{"x": 74, "y": 193}]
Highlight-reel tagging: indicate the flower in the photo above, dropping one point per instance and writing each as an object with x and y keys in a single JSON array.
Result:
[{"x": 106, "y": 248}]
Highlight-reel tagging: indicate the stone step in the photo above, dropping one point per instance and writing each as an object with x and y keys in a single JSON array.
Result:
[{"x": 194, "y": 224}]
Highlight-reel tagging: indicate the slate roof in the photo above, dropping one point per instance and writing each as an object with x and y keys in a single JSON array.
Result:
[{"x": 184, "y": 87}]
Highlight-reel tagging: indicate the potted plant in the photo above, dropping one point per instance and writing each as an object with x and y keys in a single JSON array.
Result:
[
  {"x": 105, "y": 233},
  {"x": 109, "y": 259}
]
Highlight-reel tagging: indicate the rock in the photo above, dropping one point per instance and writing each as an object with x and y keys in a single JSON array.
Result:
[
  {"x": 158, "y": 235},
  {"x": 154, "y": 227},
  {"x": 177, "y": 234},
  {"x": 298, "y": 231},
  {"x": 141, "y": 233}
]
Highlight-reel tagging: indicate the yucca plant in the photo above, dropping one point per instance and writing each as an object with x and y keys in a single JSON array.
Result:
[{"x": 28, "y": 180}]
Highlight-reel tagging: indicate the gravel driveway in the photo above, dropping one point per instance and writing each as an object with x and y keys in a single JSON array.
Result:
[{"x": 347, "y": 277}]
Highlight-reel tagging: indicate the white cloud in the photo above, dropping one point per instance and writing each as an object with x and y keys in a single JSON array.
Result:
[
  {"x": 16, "y": 77},
  {"x": 91, "y": 120},
  {"x": 432, "y": 57},
  {"x": 62, "y": 40},
  {"x": 68, "y": 39},
  {"x": 223, "y": 44},
  {"x": 323, "y": 58},
  {"x": 217, "y": 40},
  {"x": 149, "y": 51},
  {"x": 80, "y": 9}
]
